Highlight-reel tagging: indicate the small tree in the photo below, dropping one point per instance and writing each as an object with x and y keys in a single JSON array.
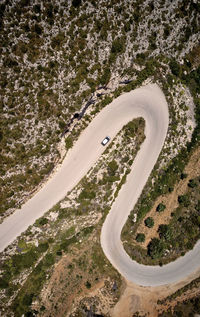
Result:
[
  {"x": 149, "y": 222},
  {"x": 140, "y": 237},
  {"x": 160, "y": 207}
]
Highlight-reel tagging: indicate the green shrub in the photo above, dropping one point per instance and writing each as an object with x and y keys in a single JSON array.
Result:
[
  {"x": 192, "y": 183},
  {"x": 112, "y": 168},
  {"x": 160, "y": 207},
  {"x": 184, "y": 200},
  {"x": 175, "y": 68},
  {"x": 88, "y": 284},
  {"x": 68, "y": 142},
  {"x": 164, "y": 232},
  {"x": 43, "y": 247},
  {"x": 140, "y": 237},
  {"x": 117, "y": 46},
  {"x": 76, "y": 3},
  {"x": 183, "y": 175},
  {"x": 104, "y": 79},
  {"x": 43, "y": 221},
  {"x": 87, "y": 194},
  {"x": 197, "y": 207},
  {"x": 155, "y": 248},
  {"x": 149, "y": 222},
  {"x": 3, "y": 283}
]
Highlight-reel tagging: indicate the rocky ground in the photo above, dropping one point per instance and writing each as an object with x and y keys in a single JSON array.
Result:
[{"x": 55, "y": 57}]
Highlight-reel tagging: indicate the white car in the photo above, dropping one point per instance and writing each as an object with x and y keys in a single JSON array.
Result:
[{"x": 106, "y": 140}]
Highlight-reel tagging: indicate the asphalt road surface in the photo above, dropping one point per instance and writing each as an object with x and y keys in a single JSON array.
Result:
[{"x": 148, "y": 102}]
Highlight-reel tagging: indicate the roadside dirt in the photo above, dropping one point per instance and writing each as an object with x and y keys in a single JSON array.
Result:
[
  {"x": 66, "y": 291},
  {"x": 170, "y": 200},
  {"x": 143, "y": 300},
  {"x": 76, "y": 284}
]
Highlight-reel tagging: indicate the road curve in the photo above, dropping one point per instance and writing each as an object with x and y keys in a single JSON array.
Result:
[
  {"x": 148, "y": 102},
  {"x": 153, "y": 107}
]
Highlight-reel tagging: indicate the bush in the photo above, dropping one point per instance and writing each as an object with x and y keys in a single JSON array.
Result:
[
  {"x": 155, "y": 248},
  {"x": 184, "y": 200},
  {"x": 76, "y": 3},
  {"x": 43, "y": 247},
  {"x": 192, "y": 183},
  {"x": 112, "y": 168},
  {"x": 160, "y": 207},
  {"x": 87, "y": 194},
  {"x": 140, "y": 237},
  {"x": 104, "y": 79},
  {"x": 175, "y": 68},
  {"x": 117, "y": 46},
  {"x": 43, "y": 221},
  {"x": 3, "y": 283},
  {"x": 183, "y": 175},
  {"x": 197, "y": 207},
  {"x": 164, "y": 232},
  {"x": 68, "y": 143},
  {"x": 149, "y": 222},
  {"x": 23, "y": 261},
  {"x": 88, "y": 284}
]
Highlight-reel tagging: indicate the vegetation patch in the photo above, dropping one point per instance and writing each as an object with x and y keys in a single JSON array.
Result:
[
  {"x": 176, "y": 227},
  {"x": 71, "y": 231}
]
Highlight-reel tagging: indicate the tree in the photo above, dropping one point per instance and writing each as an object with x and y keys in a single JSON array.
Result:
[
  {"x": 140, "y": 237},
  {"x": 149, "y": 222}
]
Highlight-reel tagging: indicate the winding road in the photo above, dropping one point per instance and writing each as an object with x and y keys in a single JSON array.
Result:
[{"x": 147, "y": 102}]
